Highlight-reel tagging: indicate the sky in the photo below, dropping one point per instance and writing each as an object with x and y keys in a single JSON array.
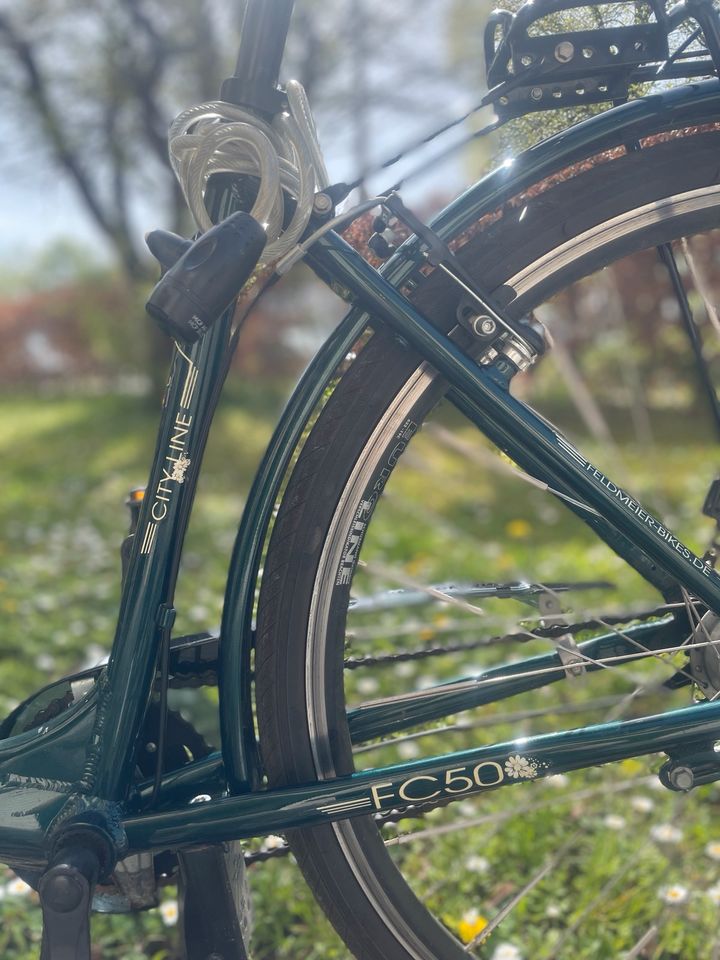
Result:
[{"x": 38, "y": 206}]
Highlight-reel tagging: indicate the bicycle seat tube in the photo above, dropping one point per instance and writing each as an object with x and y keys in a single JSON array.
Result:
[{"x": 262, "y": 43}]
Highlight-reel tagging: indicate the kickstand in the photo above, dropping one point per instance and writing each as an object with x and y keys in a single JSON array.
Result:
[
  {"x": 215, "y": 907},
  {"x": 66, "y": 890}
]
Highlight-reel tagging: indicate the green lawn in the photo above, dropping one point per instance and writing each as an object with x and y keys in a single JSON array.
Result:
[{"x": 67, "y": 464}]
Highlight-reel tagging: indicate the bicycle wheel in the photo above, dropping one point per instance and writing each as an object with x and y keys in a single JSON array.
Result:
[{"x": 351, "y": 613}]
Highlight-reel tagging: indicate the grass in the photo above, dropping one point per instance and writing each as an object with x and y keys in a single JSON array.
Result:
[{"x": 68, "y": 463}]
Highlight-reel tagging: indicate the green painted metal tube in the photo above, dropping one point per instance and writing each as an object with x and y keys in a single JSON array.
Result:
[
  {"x": 449, "y": 777},
  {"x": 236, "y": 720},
  {"x": 379, "y": 719}
]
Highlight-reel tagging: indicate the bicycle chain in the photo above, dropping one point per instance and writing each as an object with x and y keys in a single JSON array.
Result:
[{"x": 549, "y": 632}]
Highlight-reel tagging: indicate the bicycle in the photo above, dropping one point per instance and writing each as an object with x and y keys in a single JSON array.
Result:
[{"x": 453, "y": 314}]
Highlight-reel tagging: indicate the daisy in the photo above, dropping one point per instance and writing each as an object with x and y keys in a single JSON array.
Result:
[
  {"x": 613, "y": 822},
  {"x": 713, "y": 849},
  {"x": 558, "y": 780},
  {"x": 169, "y": 912},
  {"x": 17, "y": 888},
  {"x": 273, "y": 842},
  {"x": 518, "y": 766},
  {"x": 642, "y": 804},
  {"x": 714, "y": 894},
  {"x": 666, "y": 833},
  {"x": 506, "y": 951},
  {"x": 476, "y": 864},
  {"x": 674, "y": 894}
]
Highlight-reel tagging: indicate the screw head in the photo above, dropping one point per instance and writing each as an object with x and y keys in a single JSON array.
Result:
[
  {"x": 564, "y": 51},
  {"x": 322, "y": 203},
  {"x": 681, "y": 778},
  {"x": 536, "y": 93},
  {"x": 484, "y": 326}
]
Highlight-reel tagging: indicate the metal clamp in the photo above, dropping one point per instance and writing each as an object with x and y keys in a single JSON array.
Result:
[{"x": 567, "y": 650}]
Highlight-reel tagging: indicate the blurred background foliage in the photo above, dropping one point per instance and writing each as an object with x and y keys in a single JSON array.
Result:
[{"x": 87, "y": 92}]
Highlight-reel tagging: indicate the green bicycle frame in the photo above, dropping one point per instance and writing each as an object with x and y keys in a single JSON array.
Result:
[{"x": 40, "y": 771}]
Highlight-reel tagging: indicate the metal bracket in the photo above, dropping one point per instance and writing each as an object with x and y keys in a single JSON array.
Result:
[{"x": 565, "y": 646}]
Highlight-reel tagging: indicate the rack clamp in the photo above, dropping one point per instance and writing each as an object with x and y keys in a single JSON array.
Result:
[{"x": 518, "y": 342}]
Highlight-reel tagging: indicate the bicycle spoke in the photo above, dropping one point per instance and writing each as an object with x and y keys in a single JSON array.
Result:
[
  {"x": 533, "y": 882},
  {"x": 667, "y": 257},
  {"x": 509, "y": 813},
  {"x": 646, "y": 940},
  {"x": 381, "y": 716},
  {"x": 492, "y": 721},
  {"x": 597, "y": 901}
]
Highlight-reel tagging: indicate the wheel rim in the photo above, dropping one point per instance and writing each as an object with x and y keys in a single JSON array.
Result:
[{"x": 541, "y": 272}]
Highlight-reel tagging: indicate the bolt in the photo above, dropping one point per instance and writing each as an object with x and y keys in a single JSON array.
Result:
[
  {"x": 151, "y": 747},
  {"x": 536, "y": 93},
  {"x": 526, "y": 60},
  {"x": 322, "y": 203},
  {"x": 484, "y": 326},
  {"x": 564, "y": 51},
  {"x": 681, "y": 778}
]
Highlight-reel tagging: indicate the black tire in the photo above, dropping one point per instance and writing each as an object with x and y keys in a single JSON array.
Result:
[{"x": 667, "y": 190}]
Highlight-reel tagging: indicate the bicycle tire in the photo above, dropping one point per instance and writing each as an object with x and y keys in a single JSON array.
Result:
[{"x": 574, "y": 223}]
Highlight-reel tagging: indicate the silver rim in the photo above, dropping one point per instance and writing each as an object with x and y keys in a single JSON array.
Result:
[{"x": 522, "y": 283}]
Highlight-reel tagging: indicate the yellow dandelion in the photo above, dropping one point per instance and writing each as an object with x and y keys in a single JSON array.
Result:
[
  {"x": 518, "y": 529},
  {"x": 471, "y": 925}
]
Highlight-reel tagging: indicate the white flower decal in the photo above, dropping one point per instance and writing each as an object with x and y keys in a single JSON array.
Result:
[
  {"x": 180, "y": 468},
  {"x": 520, "y": 767}
]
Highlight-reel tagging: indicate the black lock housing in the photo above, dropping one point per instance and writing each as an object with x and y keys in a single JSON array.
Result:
[{"x": 207, "y": 277}]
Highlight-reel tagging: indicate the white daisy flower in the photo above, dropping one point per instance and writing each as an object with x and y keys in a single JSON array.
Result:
[
  {"x": 553, "y": 911},
  {"x": 506, "y": 951},
  {"x": 614, "y": 822},
  {"x": 367, "y": 686},
  {"x": 476, "y": 864},
  {"x": 17, "y": 888},
  {"x": 714, "y": 894},
  {"x": 642, "y": 804},
  {"x": 675, "y": 893},
  {"x": 169, "y": 912},
  {"x": 517, "y": 766},
  {"x": 273, "y": 842},
  {"x": 558, "y": 780},
  {"x": 408, "y": 750},
  {"x": 713, "y": 849},
  {"x": 666, "y": 833}
]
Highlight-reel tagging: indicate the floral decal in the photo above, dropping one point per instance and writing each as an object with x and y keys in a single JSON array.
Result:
[
  {"x": 179, "y": 468},
  {"x": 519, "y": 767}
]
